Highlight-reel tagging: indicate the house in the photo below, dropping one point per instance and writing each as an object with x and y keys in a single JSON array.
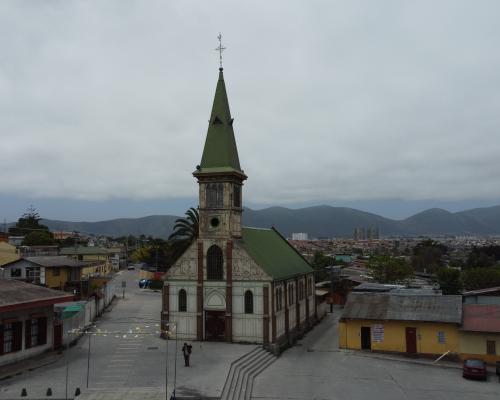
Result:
[
  {"x": 83, "y": 253},
  {"x": 480, "y": 332},
  {"x": 8, "y": 253},
  {"x": 400, "y": 323},
  {"x": 235, "y": 283},
  {"x": 482, "y": 296},
  {"x": 56, "y": 272},
  {"x": 27, "y": 320},
  {"x": 35, "y": 251}
]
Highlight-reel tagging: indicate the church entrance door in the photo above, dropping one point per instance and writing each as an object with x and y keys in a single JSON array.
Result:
[{"x": 215, "y": 325}]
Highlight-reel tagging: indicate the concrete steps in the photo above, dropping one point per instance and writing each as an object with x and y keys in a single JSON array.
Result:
[{"x": 239, "y": 381}]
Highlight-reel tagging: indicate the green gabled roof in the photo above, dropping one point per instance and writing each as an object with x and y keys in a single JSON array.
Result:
[
  {"x": 220, "y": 145},
  {"x": 273, "y": 253}
]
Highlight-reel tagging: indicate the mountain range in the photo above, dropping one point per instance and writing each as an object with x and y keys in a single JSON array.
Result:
[{"x": 317, "y": 221}]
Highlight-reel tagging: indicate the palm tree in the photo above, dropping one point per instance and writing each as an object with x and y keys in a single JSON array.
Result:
[{"x": 186, "y": 229}]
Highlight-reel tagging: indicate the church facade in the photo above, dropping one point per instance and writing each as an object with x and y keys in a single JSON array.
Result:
[{"x": 235, "y": 283}]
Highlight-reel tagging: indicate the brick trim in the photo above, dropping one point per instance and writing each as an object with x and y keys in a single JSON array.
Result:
[
  {"x": 265, "y": 320},
  {"x": 229, "y": 290},
  {"x": 199, "y": 293},
  {"x": 308, "y": 290},
  {"x": 297, "y": 304},
  {"x": 287, "y": 317},
  {"x": 273, "y": 314}
]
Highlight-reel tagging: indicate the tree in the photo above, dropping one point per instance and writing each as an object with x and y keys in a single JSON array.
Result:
[
  {"x": 29, "y": 226},
  {"x": 29, "y": 222},
  {"x": 483, "y": 257},
  {"x": 38, "y": 238},
  {"x": 481, "y": 278},
  {"x": 428, "y": 256},
  {"x": 319, "y": 262},
  {"x": 186, "y": 228},
  {"x": 386, "y": 269},
  {"x": 449, "y": 280}
]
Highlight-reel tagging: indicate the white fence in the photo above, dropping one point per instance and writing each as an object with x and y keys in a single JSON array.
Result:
[{"x": 91, "y": 309}]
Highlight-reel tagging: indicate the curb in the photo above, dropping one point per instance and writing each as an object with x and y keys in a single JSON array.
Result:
[
  {"x": 457, "y": 366},
  {"x": 28, "y": 368}
]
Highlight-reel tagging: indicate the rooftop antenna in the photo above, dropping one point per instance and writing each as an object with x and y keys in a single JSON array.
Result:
[{"x": 220, "y": 49}]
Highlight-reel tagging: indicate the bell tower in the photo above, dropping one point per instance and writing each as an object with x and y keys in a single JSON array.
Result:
[{"x": 219, "y": 174}]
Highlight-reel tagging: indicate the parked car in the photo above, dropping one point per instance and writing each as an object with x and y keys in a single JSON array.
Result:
[
  {"x": 144, "y": 283},
  {"x": 131, "y": 267},
  {"x": 474, "y": 369}
]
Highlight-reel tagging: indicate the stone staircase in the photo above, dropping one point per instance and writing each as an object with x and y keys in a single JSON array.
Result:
[{"x": 243, "y": 371}]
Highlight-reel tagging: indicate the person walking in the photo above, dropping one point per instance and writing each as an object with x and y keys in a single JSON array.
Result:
[{"x": 186, "y": 351}]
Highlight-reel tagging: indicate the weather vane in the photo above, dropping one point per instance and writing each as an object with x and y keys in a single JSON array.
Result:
[{"x": 220, "y": 49}]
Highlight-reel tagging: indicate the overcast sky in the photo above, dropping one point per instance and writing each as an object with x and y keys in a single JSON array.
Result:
[{"x": 106, "y": 103}]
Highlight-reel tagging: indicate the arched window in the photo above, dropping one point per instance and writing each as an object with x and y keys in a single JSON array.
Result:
[
  {"x": 182, "y": 300},
  {"x": 214, "y": 195},
  {"x": 215, "y": 262},
  {"x": 248, "y": 302}
]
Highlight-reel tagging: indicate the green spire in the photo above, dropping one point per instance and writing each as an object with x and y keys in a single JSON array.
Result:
[{"x": 220, "y": 153}]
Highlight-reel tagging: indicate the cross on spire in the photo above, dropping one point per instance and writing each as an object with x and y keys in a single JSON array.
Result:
[{"x": 220, "y": 49}]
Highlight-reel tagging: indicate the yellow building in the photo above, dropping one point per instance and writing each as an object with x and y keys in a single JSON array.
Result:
[
  {"x": 94, "y": 254},
  {"x": 399, "y": 323},
  {"x": 56, "y": 272},
  {"x": 8, "y": 253},
  {"x": 480, "y": 332}
]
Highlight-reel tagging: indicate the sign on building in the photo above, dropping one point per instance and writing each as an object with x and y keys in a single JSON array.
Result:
[{"x": 378, "y": 333}]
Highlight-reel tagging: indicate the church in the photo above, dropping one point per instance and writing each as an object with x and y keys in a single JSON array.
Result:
[{"x": 235, "y": 283}]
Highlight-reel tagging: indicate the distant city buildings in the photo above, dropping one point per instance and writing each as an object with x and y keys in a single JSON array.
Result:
[
  {"x": 300, "y": 236},
  {"x": 365, "y": 233}
]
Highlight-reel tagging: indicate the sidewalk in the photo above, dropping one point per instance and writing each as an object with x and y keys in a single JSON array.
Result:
[
  {"x": 402, "y": 358},
  {"x": 30, "y": 364}
]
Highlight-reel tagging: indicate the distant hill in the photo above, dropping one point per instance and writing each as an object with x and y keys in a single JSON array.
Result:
[
  {"x": 154, "y": 225},
  {"x": 318, "y": 221}
]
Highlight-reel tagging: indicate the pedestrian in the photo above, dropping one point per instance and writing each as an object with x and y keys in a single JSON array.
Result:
[{"x": 186, "y": 351}]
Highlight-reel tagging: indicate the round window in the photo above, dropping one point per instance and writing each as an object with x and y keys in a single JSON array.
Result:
[{"x": 214, "y": 222}]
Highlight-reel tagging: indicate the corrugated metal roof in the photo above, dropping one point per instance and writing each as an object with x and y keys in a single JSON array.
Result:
[
  {"x": 400, "y": 307},
  {"x": 481, "y": 318},
  {"x": 57, "y": 261},
  {"x": 15, "y": 292},
  {"x": 482, "y": 291},
  {"x": 81, "y": 250}
]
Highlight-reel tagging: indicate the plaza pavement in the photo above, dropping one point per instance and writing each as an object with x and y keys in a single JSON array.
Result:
[{"x": 317, "y": 369}]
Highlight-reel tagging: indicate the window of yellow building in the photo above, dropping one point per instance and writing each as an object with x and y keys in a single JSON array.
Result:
[
  {"x": 56, "y": 272},
  {"x": 441, "y": 337},
  {"x": 491, "y": 347}
]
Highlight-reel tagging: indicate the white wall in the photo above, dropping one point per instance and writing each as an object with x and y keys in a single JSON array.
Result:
[
  {"x": 248, "y": 327},
  {"x": 185, "y": 321}
]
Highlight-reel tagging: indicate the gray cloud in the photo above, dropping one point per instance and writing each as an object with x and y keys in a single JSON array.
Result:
[{"x": 332, "y": 100}]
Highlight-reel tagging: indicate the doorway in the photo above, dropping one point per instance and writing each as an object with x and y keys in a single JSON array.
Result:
[
  {"x": 215, "y": 325},
  {"x": 366, "y": 338},
  {"x": 411, "y": 340}
]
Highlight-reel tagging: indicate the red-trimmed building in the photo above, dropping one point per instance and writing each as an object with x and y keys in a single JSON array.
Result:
[
  {"x": 235, "y": 283},
  {"x": 480, "y": 332},
  {"x": 27, "y": 325}
]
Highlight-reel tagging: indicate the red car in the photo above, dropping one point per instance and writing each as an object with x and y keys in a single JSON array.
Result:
[{"x": 475, "y": 369}]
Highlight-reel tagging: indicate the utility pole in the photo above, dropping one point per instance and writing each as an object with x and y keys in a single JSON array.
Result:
[{"x": 156, "y": 259}]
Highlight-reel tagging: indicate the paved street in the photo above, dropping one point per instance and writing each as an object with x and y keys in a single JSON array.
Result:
[
  {"x": 130, "y": 360},
  {"x": 316, "y": 369}
]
